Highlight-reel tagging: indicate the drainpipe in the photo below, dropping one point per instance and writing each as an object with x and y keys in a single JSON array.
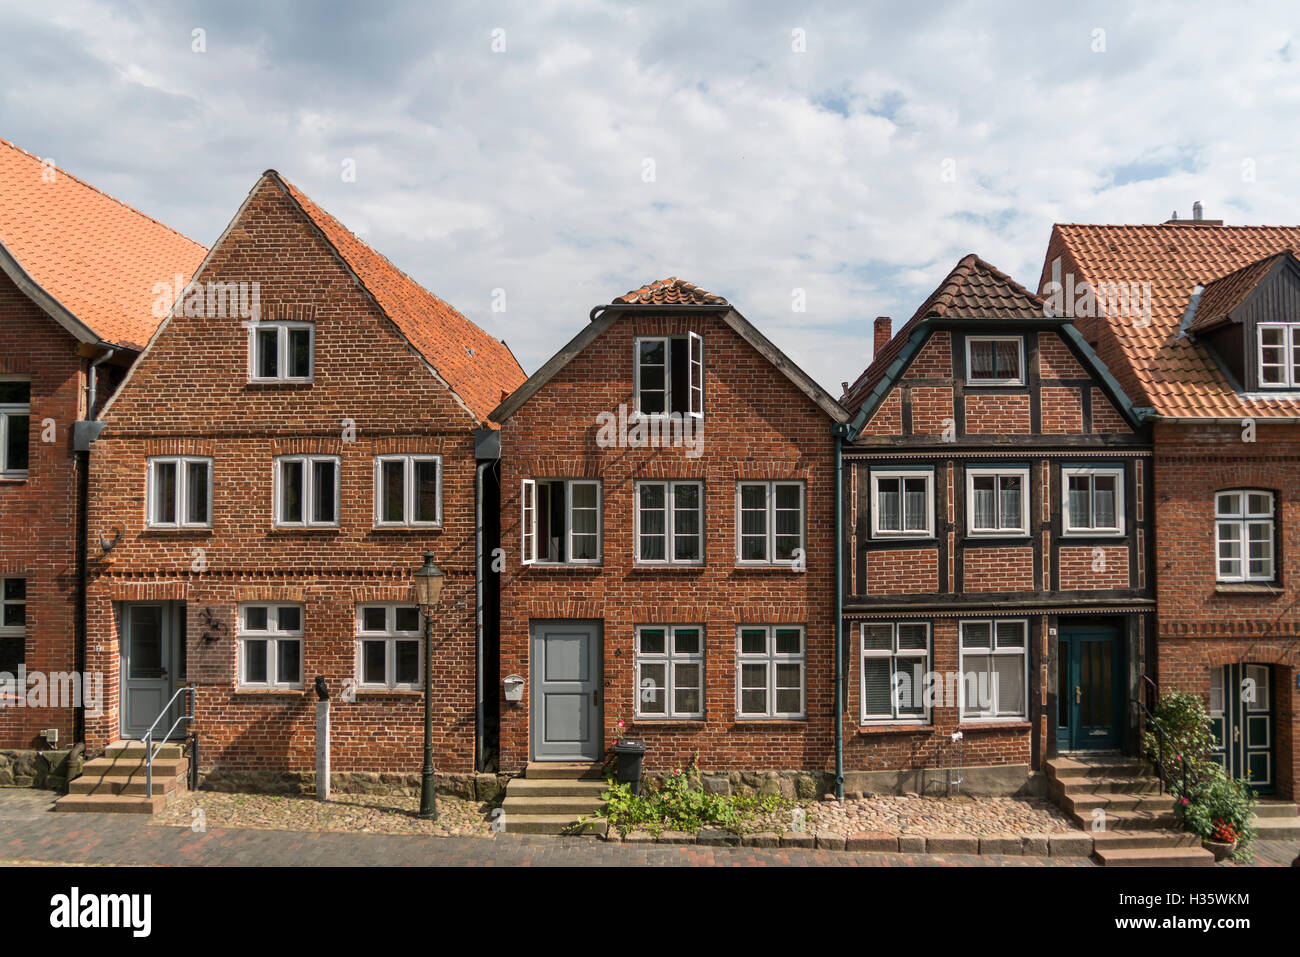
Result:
[
  {"x": 479, "y": 573},
  {"x": 83, "y": 434},
  {"x": 839, "y": 431}
]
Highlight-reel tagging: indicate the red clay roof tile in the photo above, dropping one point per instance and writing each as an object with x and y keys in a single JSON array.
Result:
[{"x": 671, "y": 292}]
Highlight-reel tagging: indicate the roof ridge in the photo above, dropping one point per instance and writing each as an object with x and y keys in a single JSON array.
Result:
[{"x": 108, "y": 196}]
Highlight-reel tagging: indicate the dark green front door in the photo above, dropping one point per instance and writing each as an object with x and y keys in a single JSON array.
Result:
[
  {"x": 1090, "y": 688},
  {"x": 1241, "y": 719}
]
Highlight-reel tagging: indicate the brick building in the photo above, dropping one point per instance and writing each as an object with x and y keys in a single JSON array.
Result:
[
  {"x": 997, "y": 516},
  {"x": 1213, "y": 348},
  {"x": 306, "y": 423},
  {"x": 77, "y": 288},
  {"x": 668, "y": 531}
]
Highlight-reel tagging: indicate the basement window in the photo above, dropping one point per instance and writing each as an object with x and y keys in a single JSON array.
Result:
[
  {"x": 281, "y": 351},
  {"x": 178, "y": 492},
  {"x": 388, "y": 647},
  {"x": 408, "y": 491},
  {"x": 669, "y": 375},
  {"x": 995, "y": 360},
  {"x": 306, "y": 493},
  {"x": 15, "y": 419},
  {"x": 560, "y": 522},
  {"x": 270, "y": 646}
]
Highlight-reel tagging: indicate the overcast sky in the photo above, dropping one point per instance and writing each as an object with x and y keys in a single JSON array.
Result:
[{"x": 568, "y": 152}]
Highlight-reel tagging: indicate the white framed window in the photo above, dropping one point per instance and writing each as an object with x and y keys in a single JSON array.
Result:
[
  {"x": 408, "y": 491},
  {"x": 769, "y": 523},
  {"x": 995, "y": 360},
  {"x": 1243, "y": 535},
  {"x": 895, "y": 660},
  {"x": 902, "y": 503},
  {"x": 1279, "y": 355},
  {"x": 669, "y": 375},
  {"x": 306, "y": 491},
  {"x": 281, "y": 351},
  {"x": 13, "y": 630},
  {"x": 1094, "y": 501},
  {"x": 560, "y": 521},
  {"x": 390, "y": 646},
  {"x": 669, "y": 523},
  {"x": 15, "y": 427},
  {"x": 770, "y": 671},
  {"x": 178, "y": 492},
  {"x": 270, "y": 646},
  {"x": 670, "y": 671},
  {"x": 994, "y": 669},
  {"x": 997, "y": 501}
]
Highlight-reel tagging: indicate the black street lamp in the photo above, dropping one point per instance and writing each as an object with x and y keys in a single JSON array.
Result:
[{"x": 428, "y": 588}]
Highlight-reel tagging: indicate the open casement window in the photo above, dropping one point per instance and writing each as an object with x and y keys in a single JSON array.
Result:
[
  {"x": 1094, "y": 501},
  {"x": 1279, "y": 355},
  {"x": 408, "y": 491},
  {"x": 997, "y": 501},
  {"x": 995, "y": 360},
  {"x": 670, "y": 671},
  {"x": 1244, "y": 534},
  {"x": 994, "y": 669},
  {"x": 281, "y": 351},
  {"x": 560, "y": 522},
  {"x": 769, "y": 522},
  {"x": 15, "y": 426},
  {"x": 389, "y": 646},
  {"x": 307, "y": 491},
  {"x": 902, "y": 504},
  {"x": 669, "y": 375},
  {"x": 270, "y": 646},
  {"x": 178, "y": 492},
  {"x": 895, "y": 659},
  {"x": 770, "y": 671},
  {"x": 669, "y": 526}
]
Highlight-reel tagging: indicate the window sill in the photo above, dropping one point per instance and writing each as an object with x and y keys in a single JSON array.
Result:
[
  {"x": 919, "y": 537},
  {"x": 408, "y": 529},
  {"x": 769, "y": 567},
  {"x": 270, "y": 692},
  {"x": 690, "y": 724},
  {"x": 1246, "y": 588},
  {"x": 563, "y": 567},
  {"x": 168, "y": 531},
  {"x": 281, "y": 383},
  {"x": 306, "y": 530},
  {"x": 13, "y": 479},
  {"x": 670, "y": 567},
  {"x": 743, "y": 723},
  {"x": 389, "y": 693},
  {"x": 869, "y": 730},
  {"x": 995, "y": 725}
]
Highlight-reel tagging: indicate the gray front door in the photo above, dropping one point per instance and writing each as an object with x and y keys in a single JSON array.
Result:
[
  {"x": 151, "y": 633},
  {"x": 566, "y": 686}
]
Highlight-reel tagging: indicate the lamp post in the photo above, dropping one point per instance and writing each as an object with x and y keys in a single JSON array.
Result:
[{"x": 428, "y": 588}]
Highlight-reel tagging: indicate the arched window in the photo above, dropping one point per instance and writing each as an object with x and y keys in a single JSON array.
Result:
[{"x": 1244, "y": 535}]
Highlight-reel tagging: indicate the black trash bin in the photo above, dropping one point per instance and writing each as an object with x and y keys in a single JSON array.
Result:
[{"x": 630, "y": 755}]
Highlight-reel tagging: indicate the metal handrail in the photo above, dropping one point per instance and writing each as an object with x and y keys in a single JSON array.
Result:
[
  {"x": 1163, "y": 738},
  {"x": 149, "y": 750}
]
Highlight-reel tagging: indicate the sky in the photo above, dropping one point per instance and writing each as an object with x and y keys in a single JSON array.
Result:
[{"x": 817, "y": 164}]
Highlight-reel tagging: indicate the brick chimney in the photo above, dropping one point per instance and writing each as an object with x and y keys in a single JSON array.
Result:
[{"x": 884, "y": 329}]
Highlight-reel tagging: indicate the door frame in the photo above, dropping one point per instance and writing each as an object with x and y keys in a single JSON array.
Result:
[
  {"x": 1231, "y": 751},
  {"x": 596, "y": 711},
  {"x": 173, "y": 620},
  {"x": 1069, "y": 736}
]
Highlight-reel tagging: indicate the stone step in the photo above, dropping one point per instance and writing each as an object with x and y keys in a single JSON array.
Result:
[
  {"x": 1134, "y": 839},
  {"x": 560, "y": 804},
  {"x": 1142, "y": 820},
  {"x": 1114, "y": 766},
  {"x": 131, "y": 786},
  {"x": 555, "y": 787},
  {"x": 564, "y": 770},
  {"x": 549, "y": 824},
  {"x": 1124, "y": 785},
  {"x": 137, "y": 749},
  {"x": 1268, "y": 808},
  {"x": 111, "y": 803},
  {"x": 124, "y": 767},
  {"x": 1083, "y": 804},
  {"x": 1278, "y": 828},
  {"x": 1155, "y": 857}
]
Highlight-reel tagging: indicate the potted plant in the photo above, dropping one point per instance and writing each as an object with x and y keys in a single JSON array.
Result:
[{"x": 1219, "y": 810}]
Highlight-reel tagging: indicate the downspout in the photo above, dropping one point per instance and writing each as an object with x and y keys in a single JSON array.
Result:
[
  {"x": 839, "y": 431},
  {"x": 81, "y": 445},
  {"x": 479, "y": 574}
]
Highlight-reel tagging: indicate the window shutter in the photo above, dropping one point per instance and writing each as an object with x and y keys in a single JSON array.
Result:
[
  {"x": 528, "y": 521},
  {"x": 695, "y": 402}
]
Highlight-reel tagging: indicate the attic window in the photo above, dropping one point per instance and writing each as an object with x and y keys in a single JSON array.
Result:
[
  {"x": 995, "y": 360},
  {"x": 281, "y": 351},
  {"x": 669, "y": 375},
  {"x": 1279, "y": 355}
]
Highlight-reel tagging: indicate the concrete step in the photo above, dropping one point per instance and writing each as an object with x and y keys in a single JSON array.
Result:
[
  {"x": 548, "y": 824},
  {"x": 564, "y": 770},
  {"x": 556, "y": 787},
  {"x": 1267, "y": 808},
  {"x": 111, "y": 803},
  {"x": 137, "y": 749},
  {"x": 561, "y": 804},
  {"x": 1155, "y": 857},
  {"x": 1134, "y": 839},
  {"x": 1083, "y": 804},
  {"x": 128, "y": 767},
  {"x": 132, "y": 786},
  {"x": 1123, "y": 785},
  {"x": 1142, "y": 820},
  {"x": 1109, "y": 766},
  {"x": 1278, "y": 828}
]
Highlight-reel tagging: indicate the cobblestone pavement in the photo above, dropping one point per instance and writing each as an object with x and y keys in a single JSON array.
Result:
[{"x": 31, "y": 833}]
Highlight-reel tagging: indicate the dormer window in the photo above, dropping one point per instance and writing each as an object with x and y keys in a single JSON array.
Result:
[
  {"x": 281, "y": 351},
  {"x": 995, "y": 360},
  {"x": 670, "y": 375},
  {"x": 1279, "y": 355}
]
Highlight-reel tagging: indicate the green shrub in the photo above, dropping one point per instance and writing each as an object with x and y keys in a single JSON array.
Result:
[
  {"x": 1187, "y": 724},
  {"x": 1218, "y": 808}
]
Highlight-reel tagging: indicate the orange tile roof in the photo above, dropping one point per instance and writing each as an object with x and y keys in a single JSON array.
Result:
[
  {"x": 478, "y": 368},
  {"x": 1173, "y": 374},
  {"x": 95, "y": 256},
  {"x": 1220, "y": 297},
  {"x": 973, "y": 290},
  {"x": 671, "y": 292}
]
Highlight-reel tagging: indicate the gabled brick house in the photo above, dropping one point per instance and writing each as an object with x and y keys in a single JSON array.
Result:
[
  {"x": 1214, "y": 353},
  {"x": 77, "y": 276},
  {"x": 265, "y": 485},
  {"x": 997, "y": 519},
  {"x": 668, "y": 534}
]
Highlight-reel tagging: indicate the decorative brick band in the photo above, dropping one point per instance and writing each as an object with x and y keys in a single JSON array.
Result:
[{"x": 147, "y": 591}]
